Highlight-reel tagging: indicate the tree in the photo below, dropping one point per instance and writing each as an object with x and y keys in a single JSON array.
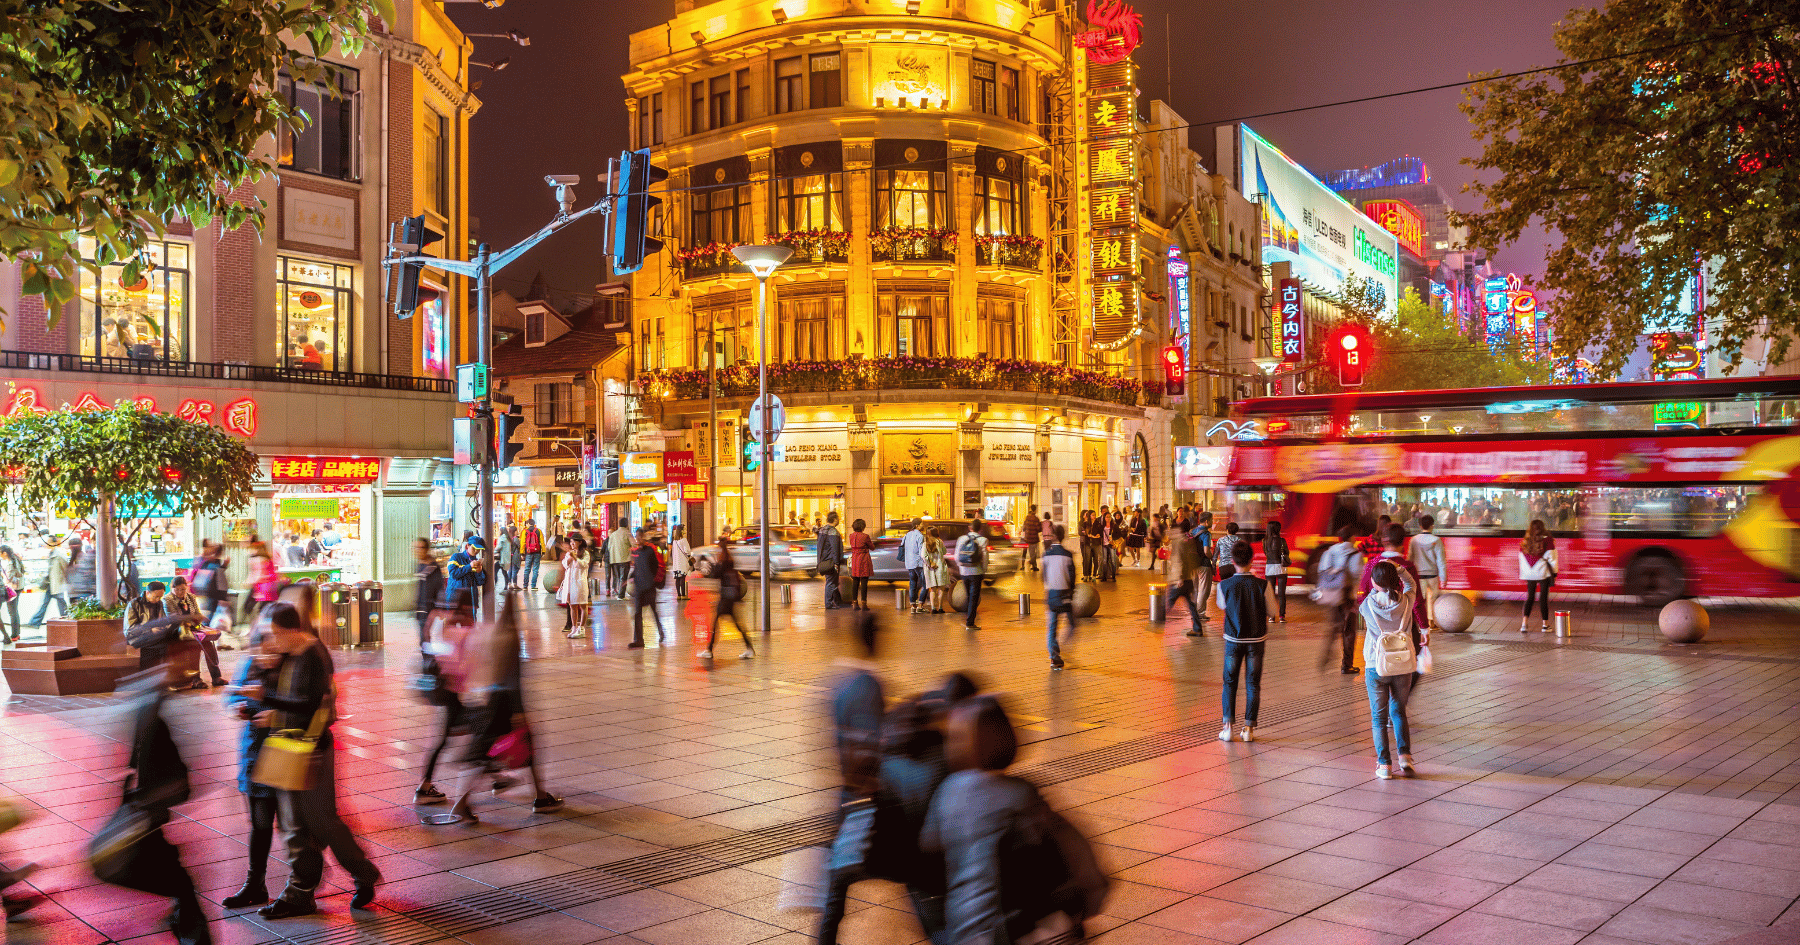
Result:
[
  {"x": 121, "y": 118},
  {"x": 1668, "y": 144},
  {"x": 1423, "y": 350},
  {"x": 119, "y": 465}
]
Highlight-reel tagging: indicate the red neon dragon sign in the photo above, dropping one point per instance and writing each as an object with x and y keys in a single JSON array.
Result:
[{"x": 1117, "y": 31}]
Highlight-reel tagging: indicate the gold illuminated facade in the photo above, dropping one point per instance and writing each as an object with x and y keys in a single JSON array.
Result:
[{"x": 939, "y": 303}]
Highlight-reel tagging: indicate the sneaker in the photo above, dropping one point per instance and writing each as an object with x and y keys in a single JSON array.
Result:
[
  {"x": 1406, "y": 765},
  {"x": 1248, "y": 735},
  {"x": 634, "y": 645},
  {"x": 546, "y": 803},
  {"x": 504, "y": 783},
  {"x": 1196, "y": 632},
  {"x": 1225, "y": 733},
  {"x": 577, "y": 633},
  {"x": 704, "y": 654},
  {"x": 428, "y": 794},
  {"x": 746, "y": 654},
  {"x": 1056, "y": 664},
  {"x": 1381, "y": 771},
  {"x": 1544, "y": 629},
  {"x": 1524, "y": 627}
]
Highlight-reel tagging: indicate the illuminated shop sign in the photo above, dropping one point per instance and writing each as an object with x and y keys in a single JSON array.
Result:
[
  {"x": 1111, "y": 168},
  {"x": 1401, "y": 219},
  {"x": 1180, "y": 312},
  {"x": 905, "y": 74},
  {"x": 236, "y": 416},
  {"x": 1291, "y": 320},
  {"x": 641, "y": 468},
  {"x": 345, "y": 469},
  {"x": 1115, "y": 29}
]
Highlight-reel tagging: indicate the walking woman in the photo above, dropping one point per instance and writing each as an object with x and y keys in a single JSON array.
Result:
[
  {"x": 681, "y": 561},
  {"x": 445, "y": 660},
  {"x": 1137, "y": 536},
  {"x": 260, "y": 669},
  {"x": 265, "y": 582},
  {"x": 731, "y": 590},
  {"x": 861, "y": 566},
  {"x": 1275, "y": 567},
  {"x": 573, "y": 594},
  {"x": 1537, "y": 568},
  {"x": 493, "y": 677},
  {"x": 12, "y": 570},
  {"x": 1390, "y": 651},
  {"x": 937, "y": 571}
]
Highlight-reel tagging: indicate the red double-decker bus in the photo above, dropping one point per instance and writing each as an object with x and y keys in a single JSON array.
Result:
[{"x": 1654, "y": 490}]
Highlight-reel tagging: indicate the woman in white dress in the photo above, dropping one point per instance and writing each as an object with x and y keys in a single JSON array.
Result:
[
  {"x": 573, "y": 593},
  {"x": 681, "y": 554}
]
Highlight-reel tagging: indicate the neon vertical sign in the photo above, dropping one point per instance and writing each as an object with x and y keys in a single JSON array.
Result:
[
  {"x": 1291, "y": 321},
  {"x": 1180, "y": 312}
]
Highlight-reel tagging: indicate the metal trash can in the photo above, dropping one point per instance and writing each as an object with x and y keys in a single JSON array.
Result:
[
  {"x": 1157, "y": 602},
  {"x": 787, "y": 593},
  {"x": 336, "y": 614},
  {"x": 370, "y": 630},
  {"x": 1024, "y": 604},
  {"x": 1564, "y": 626},
  {"x": 900, "y": 598}
]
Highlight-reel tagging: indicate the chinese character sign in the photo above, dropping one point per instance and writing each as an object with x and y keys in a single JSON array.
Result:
[
  {"x": 1291, "y": 320},
  {"x": 324, "y": 469},
  {"x": 1111, "y": 207}
]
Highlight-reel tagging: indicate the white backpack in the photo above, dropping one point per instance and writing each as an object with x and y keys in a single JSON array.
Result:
[{"x": 1394, "y": 654}]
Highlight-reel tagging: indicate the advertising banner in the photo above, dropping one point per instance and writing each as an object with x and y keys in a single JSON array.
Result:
[
  {"x": 679, "y": 467},
  {"x": 1201, "y": 467},
  {"x": 1401, "y": 219},
  {"x": 639, "y": 469},
  {"x": 1327, "y": 240},
  {"x": 323, "y": 469},
  {"x": 307, "y": 508}
]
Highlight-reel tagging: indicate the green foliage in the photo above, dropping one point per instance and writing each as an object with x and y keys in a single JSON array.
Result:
[
  {"x": 125, "y": 452},
  {"x": 90, "y": 608},
  {"x": 1423, "y": 350},
  {"x": 1649, "y": 163},
  {"x": 117, "y": 119}
]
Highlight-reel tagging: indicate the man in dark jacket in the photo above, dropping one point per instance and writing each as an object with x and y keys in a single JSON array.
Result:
[
  {"x": 831, "y": 558},
  {"x": 1059, "y": 593},
  {"x": 646, "y": 566},
  {"x": 467, "y": 572},
  {"x": 428, "y": 585},
  {"x": 147, "y": 616},
  {"x": 1032, "y": 531},
  {"x": 160, "y": 782},
  {"x": 1246, "y": 625}
]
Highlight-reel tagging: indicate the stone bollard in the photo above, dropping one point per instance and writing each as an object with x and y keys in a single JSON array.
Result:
[
  {"x": 1454, "y": 613},
  {"x": 1683, "y": 621}
]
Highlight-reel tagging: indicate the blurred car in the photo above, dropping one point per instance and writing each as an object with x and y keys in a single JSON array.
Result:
[
  {"x": 794, "y": 549},
  {"x": 1004, "y": 553}
]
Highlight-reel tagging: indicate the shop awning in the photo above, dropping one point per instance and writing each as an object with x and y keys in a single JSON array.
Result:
[{"x": 621, "y": 495}]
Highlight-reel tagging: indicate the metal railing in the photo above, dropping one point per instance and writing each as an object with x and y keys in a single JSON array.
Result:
[
  {"x": 227, "y": 371},
  {"x": 907, "y": 248},
  {"x": 912, "y": 373},
  {"x": 706, "y": 267},
  {"x": 1009, "y": 255}
]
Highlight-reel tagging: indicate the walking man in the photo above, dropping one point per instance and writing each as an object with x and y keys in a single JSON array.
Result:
[
  {"x": 1203, "y": 551},
  {"x": 1032, "y": 533},
  {"x": 1336, "y": 565},
  {"x": 56, "y": 584},
  {"x": 648, "y": 574},
  {"x": 503, "y": 552},
  {"x": 532, "y": 544},
  {"x": 912, "y": 557},
  {"x": 428, "y": 585},
  {"x": 1427, "y": 556},
  {"x": 831, "y": 558},
  {"x": 1059, "y": 593},
  {"x": 618, "y": 559},
  {"x": 1246, "y": 624},
  {"x": 971, "y": 563},
  {"x": 1184, "y": 570}
]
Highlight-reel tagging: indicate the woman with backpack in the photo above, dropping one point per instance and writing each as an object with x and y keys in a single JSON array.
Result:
[
  {"x": 1391, "y": 645},
  {"x": 1275, "y": 565},
  {"x": 1537, "y": 568}
]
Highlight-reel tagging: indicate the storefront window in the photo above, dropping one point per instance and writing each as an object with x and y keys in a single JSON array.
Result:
[
  {"x": 807, "y": 506},
  {"x": 317, "y": 307},
  {"x": 905, "y": 501},
  {"x": 146, "y": 319},
  {"x": 316, "y": 530},
  {"x": 1006, "y": 502},
  {"x": 914, "y": 323}
]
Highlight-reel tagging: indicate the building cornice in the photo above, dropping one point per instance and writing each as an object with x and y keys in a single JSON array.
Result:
[{"x": 420, "y": 58}]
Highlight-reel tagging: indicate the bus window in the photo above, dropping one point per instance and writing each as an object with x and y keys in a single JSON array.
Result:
[
  {"x": 1252, "y": 510},
  {"x": 1695, "y": 511},
  {"x": 1561, "y": 510}
]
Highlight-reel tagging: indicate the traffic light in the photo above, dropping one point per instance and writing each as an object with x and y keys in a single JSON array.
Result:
[
  {"x": 631, "y": 210},
  {"x": 414, "y": 237},
  {"x": 1349, "y": 349},
  {"x": 1174, "y": 371},
  {"x": 748, "y": 449},
  {"x": 506, "y": 426}
]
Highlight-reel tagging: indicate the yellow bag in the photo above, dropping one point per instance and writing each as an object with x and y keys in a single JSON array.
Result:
[{"x": 285, "y": 762}]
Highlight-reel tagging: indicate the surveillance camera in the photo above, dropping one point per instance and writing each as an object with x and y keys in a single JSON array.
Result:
[{"x": 562, "y": 180}]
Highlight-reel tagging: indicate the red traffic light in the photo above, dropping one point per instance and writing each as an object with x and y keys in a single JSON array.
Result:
[
  {"x": 1174, "y": 361},
  {"x": 1349, "y": 351}
]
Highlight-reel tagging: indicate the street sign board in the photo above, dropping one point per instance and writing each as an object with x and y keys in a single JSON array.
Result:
[
  {"x": 767, "y": 409},
  {"x": 471, "y": 382}
]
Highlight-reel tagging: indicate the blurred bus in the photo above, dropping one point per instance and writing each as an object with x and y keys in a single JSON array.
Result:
[{"x": 1653, "y": 490}]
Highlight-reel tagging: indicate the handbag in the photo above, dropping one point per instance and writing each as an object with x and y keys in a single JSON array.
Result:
[
  {"x": 286, "y": 760},
  {"x": 855, "y": 837},
  {"x": 113, "y": 850},
  {"x": 512, "y": 750}
]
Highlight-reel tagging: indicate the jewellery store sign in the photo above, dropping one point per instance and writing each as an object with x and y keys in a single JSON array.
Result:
[{"x": 918, "y": 455}]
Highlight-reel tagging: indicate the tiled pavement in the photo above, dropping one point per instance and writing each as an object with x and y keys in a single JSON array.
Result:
[{"x": 1612, "y": 789}]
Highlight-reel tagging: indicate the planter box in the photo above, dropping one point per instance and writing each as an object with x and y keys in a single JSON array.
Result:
[
  {"x": 43, "y": 669},
  {"x": 104, "y": 637}
]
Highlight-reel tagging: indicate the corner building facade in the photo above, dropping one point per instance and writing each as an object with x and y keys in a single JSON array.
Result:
[{"x": 916, "y": 336}]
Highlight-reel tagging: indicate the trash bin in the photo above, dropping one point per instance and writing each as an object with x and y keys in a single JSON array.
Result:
[
  {"x": 1564, "y": 626},
  {"x": 334, "y": 620},
  {"x": 1158, "y": 603},
  {"x": 369, "y": 627}
]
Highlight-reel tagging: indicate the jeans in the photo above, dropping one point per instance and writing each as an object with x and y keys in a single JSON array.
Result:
[
  {"x": 681, "y": 587},
  {"x": 972, "y": 590},
  {"x": 453, "y": 716},
  {"x": 1387, "y": 699},
  {"x": 62, "y": 608},
  {"x": 831, "y": 587},
  {"x": 727, "y": 607},
  {"x": 1057, "y": 607},
  {"x": 1532, "y": 589},
  {"x": 12, "y": 611},
  {"x": 1179, "y": 591},
  {"x": 644, "y": 601},
  {"x": 1343, "y": 620},
  {"x": 262, "y": 832},
  {"x": 531, "y": 568},
  {"x": 1428, "y": 587},
  {"x": 915, "y": 586},
  {"x": 1249, "y": 658}
]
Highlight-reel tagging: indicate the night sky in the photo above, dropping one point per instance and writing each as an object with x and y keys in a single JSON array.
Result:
[{"x": 559, "y": 106}]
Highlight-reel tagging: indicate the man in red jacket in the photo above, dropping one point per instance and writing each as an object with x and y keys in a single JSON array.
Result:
[{"x": 1393, "y": 540}]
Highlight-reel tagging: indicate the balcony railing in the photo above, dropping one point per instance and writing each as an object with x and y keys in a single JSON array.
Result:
[
  {"x": 204, "y": 370},
  {"x": 706, "y": 265},
  {"x": 905, "y": 373},
  {"x": 912, "y": 244},
  {"x": 1011, "y": 253}
]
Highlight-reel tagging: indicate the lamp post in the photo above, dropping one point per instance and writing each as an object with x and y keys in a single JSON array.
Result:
[{"x": 763, "y": 260}]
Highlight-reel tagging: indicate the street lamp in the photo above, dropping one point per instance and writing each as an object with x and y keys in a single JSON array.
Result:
[
  {"x": 513, "y": 35},
  {"x": 763, "y": 260}
]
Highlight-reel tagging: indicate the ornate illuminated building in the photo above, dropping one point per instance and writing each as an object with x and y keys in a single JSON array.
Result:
[{"x": 950, "y": 335}]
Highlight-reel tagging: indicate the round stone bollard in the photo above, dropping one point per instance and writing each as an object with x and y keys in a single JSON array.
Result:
[
  {"x": 1683, "y": 621},
  {"x": 1085, "y": 602},
  {"x": 959, "y": 598},
  {"x": 1454, "y": 613}
]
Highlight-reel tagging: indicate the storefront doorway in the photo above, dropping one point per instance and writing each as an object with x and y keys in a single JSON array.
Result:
[
  {"x": 324, "y": 529},
  {"x": 808, "y": 505},
  {"x": 905, "y": 501},
  {"x": 1007, "y": 502}
]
